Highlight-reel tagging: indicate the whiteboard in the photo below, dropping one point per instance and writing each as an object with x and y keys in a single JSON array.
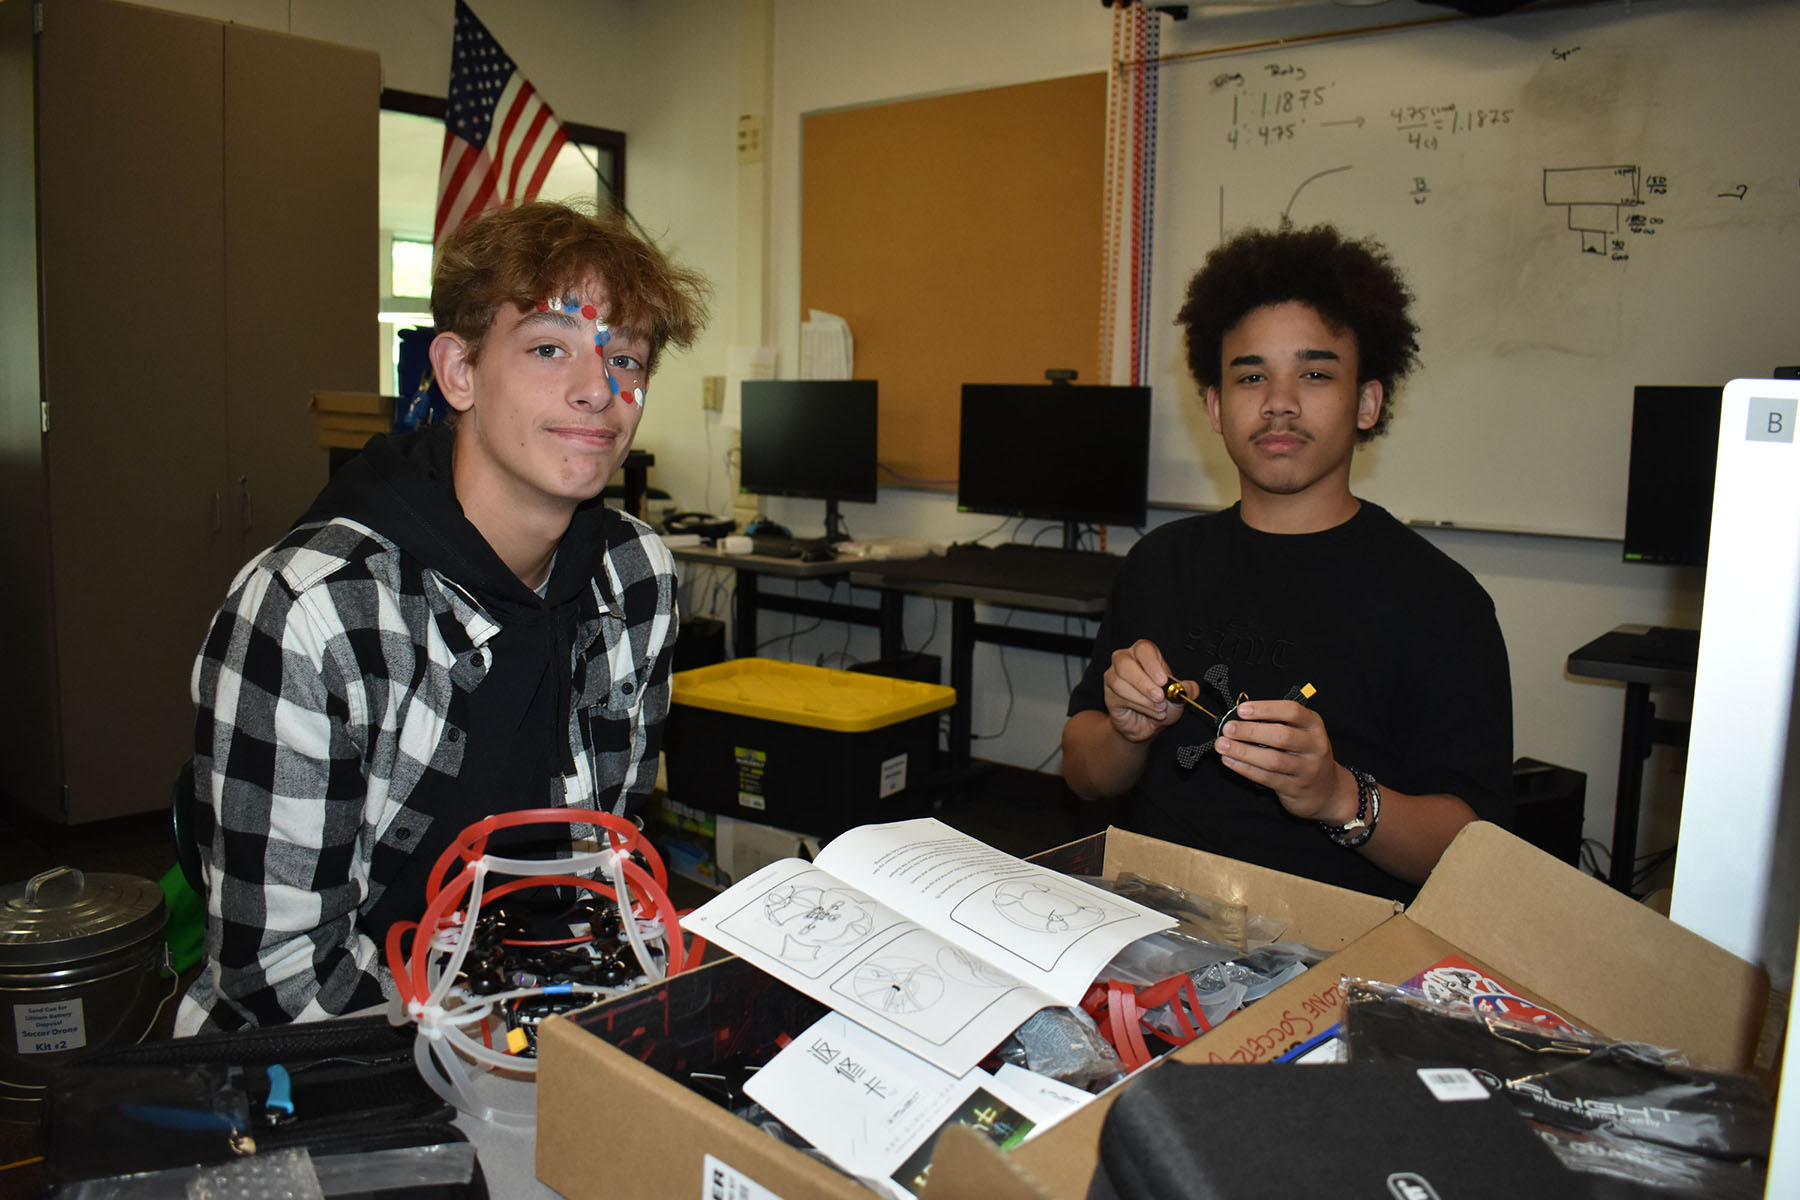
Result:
[{"x": 1581, "y": 200}]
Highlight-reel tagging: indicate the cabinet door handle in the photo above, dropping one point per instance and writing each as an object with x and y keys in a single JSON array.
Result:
[
  {"x": 218, "y": 512},
  {"x": 246, "y": 509}
]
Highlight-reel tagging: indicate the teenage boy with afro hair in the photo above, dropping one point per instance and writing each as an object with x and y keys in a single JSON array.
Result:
[
  {"x": 1298, "y": 339},
  {"x": 457, "y": 627}
]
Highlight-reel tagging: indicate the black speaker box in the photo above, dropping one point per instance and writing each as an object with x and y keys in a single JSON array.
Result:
[
  {"x": 1551, "y": 804},
  {"x": 920, "y": 668},
  {"x": 700, "y": 643}
]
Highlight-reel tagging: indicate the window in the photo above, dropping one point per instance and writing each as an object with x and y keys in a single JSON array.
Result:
[
  {"x": 591, "y": 169},
  {"x": 411, "y": 262}
]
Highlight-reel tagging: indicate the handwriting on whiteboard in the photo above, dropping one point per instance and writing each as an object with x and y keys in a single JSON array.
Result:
[
  {"x": 1269, "y": 116},
  {"x": 1425, "y": 124},
  {"x": 1607, "y": 206},
  {"x": 1264, "y": 116}
]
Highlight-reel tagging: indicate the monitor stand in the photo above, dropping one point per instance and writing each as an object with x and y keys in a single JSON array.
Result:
[
  {"x": 1071, "y": 535},
  {"x": 835, "y": 531}
]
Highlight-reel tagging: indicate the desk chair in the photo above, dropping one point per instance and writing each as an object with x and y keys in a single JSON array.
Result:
[
  {"x": 185, "y": 933},
  {"x": 181, "y": 819}
]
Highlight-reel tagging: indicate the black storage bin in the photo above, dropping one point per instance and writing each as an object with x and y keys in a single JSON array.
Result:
[{"x": 804, "y": 748}]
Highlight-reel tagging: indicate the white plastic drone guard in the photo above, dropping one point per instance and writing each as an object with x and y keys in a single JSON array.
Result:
[{"x": 453, "y": 1049}]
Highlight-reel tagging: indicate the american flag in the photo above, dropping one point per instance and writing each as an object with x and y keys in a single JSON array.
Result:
[{"x": 499, "y": 136}]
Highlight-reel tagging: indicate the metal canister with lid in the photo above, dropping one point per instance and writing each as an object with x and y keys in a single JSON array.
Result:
[{"x": 82, "y": 963}]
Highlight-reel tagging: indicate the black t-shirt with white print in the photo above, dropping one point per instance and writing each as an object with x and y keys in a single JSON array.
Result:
[{"x": 1399, "y": 640}]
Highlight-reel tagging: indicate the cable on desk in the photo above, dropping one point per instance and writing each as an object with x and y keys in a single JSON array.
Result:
[
  {"x": 930, "y": 634},
  {"x": 1642, "y": 868},
  {"x": 1591, "y": 849},
  {"x": 1083, "y": 660},
  {"x": 981, "y": 537},
  {"x": 849, "y": 626},
  {"x": 1647, "y": 865},
  {"x": 1006, "y": 674},
  {"x": 724, "y": 591},
  {"x": 795, "y": 632}
]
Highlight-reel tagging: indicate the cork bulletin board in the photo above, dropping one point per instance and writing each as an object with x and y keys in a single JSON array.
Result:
[{"x": 961, "y": 238}]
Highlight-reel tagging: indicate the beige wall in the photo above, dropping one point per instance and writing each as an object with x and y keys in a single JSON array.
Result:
[
  {"x": 676, "y": 75},
  {"x": 1552, "y": 594}
]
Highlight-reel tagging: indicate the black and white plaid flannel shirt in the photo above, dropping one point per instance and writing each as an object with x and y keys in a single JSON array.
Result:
[{"x": 324, "y": 693}]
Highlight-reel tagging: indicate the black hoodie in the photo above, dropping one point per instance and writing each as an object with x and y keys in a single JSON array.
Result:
[{"x": 517, "y": 719}]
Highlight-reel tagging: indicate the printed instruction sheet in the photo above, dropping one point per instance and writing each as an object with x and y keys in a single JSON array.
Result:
[
  {"x": 925, "y": 935},
  {"x": 878, "y": 1111}
]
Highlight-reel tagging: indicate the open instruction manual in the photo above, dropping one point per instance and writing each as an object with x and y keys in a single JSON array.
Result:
[{"x": 926, "y": 936}]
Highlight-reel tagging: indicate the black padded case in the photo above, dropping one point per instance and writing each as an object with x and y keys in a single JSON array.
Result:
[
  {"x": 161, "y": 1106},
  {"x": 1370, "y": 1131}
]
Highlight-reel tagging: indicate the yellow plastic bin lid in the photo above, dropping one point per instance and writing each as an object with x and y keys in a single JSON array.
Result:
[{"x": 796, "y": 694}]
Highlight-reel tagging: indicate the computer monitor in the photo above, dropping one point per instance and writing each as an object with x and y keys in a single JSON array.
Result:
[
  {"x": 810, "y": 438},
  {"x": 1056, "y": 452},
  {"x": 1669, "y": 483}
]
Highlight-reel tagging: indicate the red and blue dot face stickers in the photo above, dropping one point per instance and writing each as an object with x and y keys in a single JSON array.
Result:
[{"x": 625, "y": 373}]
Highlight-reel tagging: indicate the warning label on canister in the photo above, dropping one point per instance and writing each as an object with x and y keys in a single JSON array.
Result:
[{"x": 50, "y": 1027}]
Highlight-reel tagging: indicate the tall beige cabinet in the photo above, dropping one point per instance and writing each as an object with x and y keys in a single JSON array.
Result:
[{"x": 196, "y": 203}]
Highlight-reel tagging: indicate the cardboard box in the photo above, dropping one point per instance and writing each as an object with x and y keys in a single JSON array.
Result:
[
  {"x": 348, "y": 420},
  {"x": 363, "y": 403},
  {"x": 1555, "y": 935},
  {"x": 686, "y": 838},
  {"x": 618, "y": 1057},
  {"x": 745, "y": 847}
]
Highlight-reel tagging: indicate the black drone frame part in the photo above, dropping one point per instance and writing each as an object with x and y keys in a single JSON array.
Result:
[{"x": 1187, "y": 756}]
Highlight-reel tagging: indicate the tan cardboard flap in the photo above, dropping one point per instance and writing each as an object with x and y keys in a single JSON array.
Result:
[
  {"x": 965, "y": 1164},
  {"x": 578, "y": 1157},
  {"x": 1607, "y": 960},
  {"x": 1318, "y": 914},
  {"x": 1062, "y": 1161}
]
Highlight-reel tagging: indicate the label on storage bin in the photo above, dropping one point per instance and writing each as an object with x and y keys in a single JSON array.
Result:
[
  {"x": 50, "y": 1027},
  {"x": 751, "y": 766},
  {"x": 893, "y": 776},
  {"x": 723, "y": 1182}
]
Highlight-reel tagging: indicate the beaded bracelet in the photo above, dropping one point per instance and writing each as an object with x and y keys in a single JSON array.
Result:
[{"x": 1361, "y": 827}]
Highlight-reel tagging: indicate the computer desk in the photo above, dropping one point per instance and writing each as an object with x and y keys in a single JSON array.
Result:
[
  {"x": 751, "y": 599},
  {"x": 1621, "y": 654},
  {"x": 1086, "y": 599},
  {"x": 887, "y": 576}
]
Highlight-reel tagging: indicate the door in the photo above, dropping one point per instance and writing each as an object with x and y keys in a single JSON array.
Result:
[{"x": 130, "y": 139}]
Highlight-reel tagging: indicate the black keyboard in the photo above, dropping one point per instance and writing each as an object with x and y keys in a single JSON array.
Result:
[
  {"x": 773, "y": 545},
  {"x": 1668, "y": 647},
  {"x": 1016, "y": 567}
]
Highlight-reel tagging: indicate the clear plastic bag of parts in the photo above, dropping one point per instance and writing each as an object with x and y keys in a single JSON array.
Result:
[
  {"x": 1638, "y": 1116},
  {"x": 1220, "y": 921},
  {"x": 1224, "y": 979},
  {"x": 1065, "y": 1045},
  {"x": 296, "y": 1174},
  {"x": 1229, "y": 953}
]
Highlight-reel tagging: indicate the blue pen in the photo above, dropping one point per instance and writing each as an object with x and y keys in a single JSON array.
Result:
[{"x": 1309, "y": 1045}]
